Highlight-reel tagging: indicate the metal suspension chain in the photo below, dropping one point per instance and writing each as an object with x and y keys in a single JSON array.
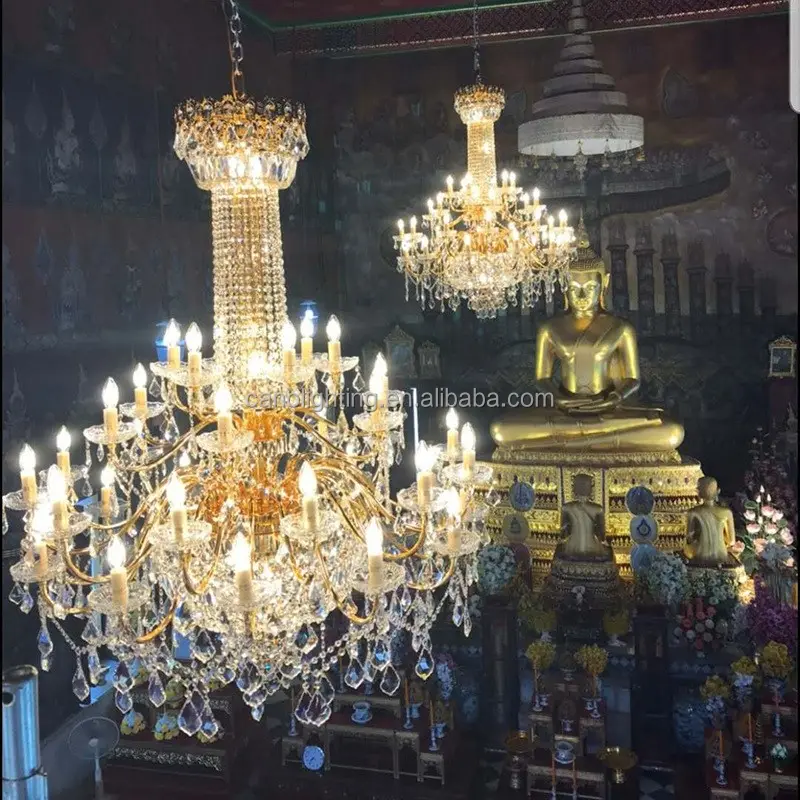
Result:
[
  {"x": 476, "y": 56},
  {"x": 235, "y": 47}
]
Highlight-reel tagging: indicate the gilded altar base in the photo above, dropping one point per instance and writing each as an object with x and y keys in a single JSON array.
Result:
[{"x": 671, "y": 478}]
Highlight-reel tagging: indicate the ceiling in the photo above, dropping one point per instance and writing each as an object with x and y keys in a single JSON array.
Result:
[
  {"x": 313, "y": 13},
  {"x": 342, "y": 28}
]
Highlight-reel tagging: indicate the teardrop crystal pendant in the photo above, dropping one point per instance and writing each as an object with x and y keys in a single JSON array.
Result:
[
  {"x": 189, "y": 719},
  {"x": 155, "y": 690},
  {"x": 79, "y": 685},
  {"x": 390, "y": 682},
  {"x": 424, "y": 667}
]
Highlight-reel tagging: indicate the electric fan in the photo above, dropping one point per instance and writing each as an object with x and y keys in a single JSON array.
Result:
[{"x": 93, "y": 739}]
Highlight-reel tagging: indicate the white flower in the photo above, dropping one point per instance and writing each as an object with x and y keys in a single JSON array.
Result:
[
  {"x": 710, "y": 624},
  {"x": 690, "y": 635}
]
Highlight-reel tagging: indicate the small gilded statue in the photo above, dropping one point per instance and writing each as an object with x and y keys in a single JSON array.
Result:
[
  {"x": 599, "y": 361},
  {"x": 583, "y": 522},
  {"x": 709, "y": 529}
]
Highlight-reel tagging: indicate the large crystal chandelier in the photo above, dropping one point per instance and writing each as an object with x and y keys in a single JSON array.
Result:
[
  {"x": 491, "y": 245},
  {"x": 256, "y": 519}
]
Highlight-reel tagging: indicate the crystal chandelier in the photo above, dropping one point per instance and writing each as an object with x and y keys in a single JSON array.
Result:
[
  {"x": 580, "y": 114},
  {"x": 491, "y": 245},
  {"x": 255, "y": 524}
]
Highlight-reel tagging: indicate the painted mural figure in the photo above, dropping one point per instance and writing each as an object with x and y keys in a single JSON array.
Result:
[
  {"x": 64, "y": 159},
  {"x": 12, "y": 326},
  {"x": 72, "y": 290}
]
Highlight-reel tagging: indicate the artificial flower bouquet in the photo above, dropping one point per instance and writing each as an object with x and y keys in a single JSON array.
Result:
[
  {"x": 776, "y": 663},
  {"x": 616, "y": 624},
  {"x": 205, "y": 738},
  {"x": 496, "y": 568},
  {"x": 445, "y": 675},
  {"x": 715, "y": 693},
  {"x": 537, "y": 617},
  {"x": 700, "y": 627},
  {"x": 666, "y": 579},
  {"x": 166, "y": 727},
  {"x": 768, "y": 619},
  {"x": 132, "y": 723},
  {"x": 745, "y": 678},
  {"x": 541, "y": 655}
]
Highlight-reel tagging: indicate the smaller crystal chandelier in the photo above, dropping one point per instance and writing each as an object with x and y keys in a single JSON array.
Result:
[{"x": 487, "y": 244}]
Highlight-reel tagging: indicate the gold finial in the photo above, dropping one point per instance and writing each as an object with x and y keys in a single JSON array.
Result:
[
  {"x": 581, "y": 235},
  {"x": 586, "y": 260}
]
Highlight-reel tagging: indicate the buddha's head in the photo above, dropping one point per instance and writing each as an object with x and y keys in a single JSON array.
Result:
[
  {"x": 588, "y": 279},
  {"x": 707, "y": 489},
  {"x": 582, "y": 486}
]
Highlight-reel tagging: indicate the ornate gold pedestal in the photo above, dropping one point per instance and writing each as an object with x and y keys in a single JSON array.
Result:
[
  {"x": 671, "y": 478},
  {"x": 599, "y": 580}
]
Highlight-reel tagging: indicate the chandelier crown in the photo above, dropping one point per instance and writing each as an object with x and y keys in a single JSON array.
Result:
[
  {"x": 479, "y": 103},
  {"x": 241, "y": 141}
]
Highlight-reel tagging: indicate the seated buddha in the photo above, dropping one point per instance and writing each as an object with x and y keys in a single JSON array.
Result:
[
  {"x": 583, "y": 523},
  {"x": 710, "y": 529},
  {"x": 599, "y": 373}
]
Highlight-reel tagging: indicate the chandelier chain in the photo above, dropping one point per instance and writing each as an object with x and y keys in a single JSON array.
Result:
[
  {"x": 235, "y": 48},
  {"x": 476, "y": 56}
]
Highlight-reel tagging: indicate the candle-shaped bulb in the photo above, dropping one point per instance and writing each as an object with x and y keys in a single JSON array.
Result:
[
  {"x": 536, "y": 195},
  {"x": 176, "y": 492},
  {"x": 307, "y": 480},
  {"x": 110, "y": 394},
  {"x": 449, "y": 183},
  {"x": 562, "y": 217},
  {"x": 41, "y": 522},
  {"x": 467, "y": 437},
  {"x": 139, "y": 377},
  {"x": 194, "y": 338},
  {"x": 551, "y": 220},
  {"x": 333, "y": 329},
  {"x": 107, "y": 477},
  {"x": 116, "y": 553},
  {"x": 451, "y": 419},
  {"x": 223, "y": 399},
  {"x": 240, "y": 553},
  {"x": 425, "y": 457},
  {"x": 453, "y": 503},
  {"x": 63, "y": 439},
  {"x": 172, "y": 335},
  {"x": 374, "y": 537},
  {"x": 412, "y": 223},
  {"x": 380, "y": 369},
  {"x": 27, "y": 459},
  {"x": 401, "y": 225},
  {"x": 288, "y": 336},
  {"x": 307, "y": 325},
  {"x": 56, "y": 484}
]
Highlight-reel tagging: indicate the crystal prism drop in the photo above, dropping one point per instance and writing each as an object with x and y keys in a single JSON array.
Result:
[
  {"x": 467, "y": 623},
  {"x": 79, "y": 685},
  {"x": 325, "y": 689},
  {"x": 458, "y": 613},
  {"x": 95, "y": 666},
  {"x": 208, "y": 723},
  {"x": 123, "y": 701},
  {"x": 122, "y": 677},
  {"x": 45, "y": 642},
  {"x": 257, "y": 713},
  {"x": 354, "y": 676},
  {"x": 424, "y": 667},
  {"x": 189, "y": 719},
  {"x": 26, "y": 604},
  {"x": 203, "y": 649},
  {"x": 381, "y": 656},
  {"x": 391, "y": 681},
  {"x": 319, "y": 711},
  {"x": 301, "y": 709},
  {"x": 370, "y": 673},
  {"x": 405, "y": 600},
  {"x": 16, "y": 594},
  {"x": 90, "y": 633},
  {"x": 46, "y": 663},
  {"x": 226, "y": 675},
  {"x": 100, "y": 452},
  {"x": 155, "y": 690},
  {"x": 5, "y": 521}
]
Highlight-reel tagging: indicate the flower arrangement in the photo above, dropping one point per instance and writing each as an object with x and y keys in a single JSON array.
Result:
[
  {"x": 779, "y": 752},
  {"x": 775, "y": 661},
  {"x": 744, "y": 671},
  {"x": 718, "y": 589},
  {"x": 537, "y": 617},
  {"x": 666, "y": 579},
  {"x": 770, "y": 620},
  {"x": 744, "y": 666},
  {"x": 541, "y": 655},
  {"x": 700, "y": 627},
  {"x": 592, "y": 659},
  {"x": 715, "y": 692},
  {"x": 765, "y": 544},
  {"x": 496, "y": 567},
  {"x": 132, "y": 723},
  {"x": 445, "y": 675},
  {"x": 173, "y": 692},
  {"x": 166, "y": 727}
]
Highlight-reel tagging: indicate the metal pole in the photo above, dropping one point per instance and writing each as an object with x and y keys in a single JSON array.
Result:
[{"x": 23, "y": 777}]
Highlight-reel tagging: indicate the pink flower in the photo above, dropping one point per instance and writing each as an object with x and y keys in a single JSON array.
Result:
[
  {"x": 768, "y": 511},
  {"x": 701, "y": 616},
  {"x": 737, "y": 548},
  {"x": 777, "y": 515},
  {"x": 698, "y": 643},
  {"x": 759, "y": 545},
  {"x": 786, "y": 537},
  {"x": 750, "y": 515},
  {"x": 753, "y": 528},
  {"x": 687, "y": 624},
  {"x": 771, "y": 528}
]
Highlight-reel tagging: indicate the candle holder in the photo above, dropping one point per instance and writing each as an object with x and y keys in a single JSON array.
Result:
[
  {"x": 408, "y": 724},
  {"x": 719, "y": 768},
  {"x": 415, "y": 710},
  {"x": 619, "y": 760},
  {"x": 434, "y": 744},
  {"x": 292, "y": 723},
  {"x": 749, "y": 751},
  {"x": 537, "y": 703},
  {"x": 777, "y": 728}
]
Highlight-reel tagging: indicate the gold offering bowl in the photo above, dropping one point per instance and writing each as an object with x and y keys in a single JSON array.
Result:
[
  {"x": 518, "y": 747},
  {"x": 619, "y": 760}
]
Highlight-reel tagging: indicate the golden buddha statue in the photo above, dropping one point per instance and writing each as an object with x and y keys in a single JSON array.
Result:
[
  {"x": 583, "y": 521},
  {"x": 599, "y": 363},
  {"x": 710, "y": 529}
]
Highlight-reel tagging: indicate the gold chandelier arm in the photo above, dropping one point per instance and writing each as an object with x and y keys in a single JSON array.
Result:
[
  {"x": 299, "y": 420},
  {"x": 161, "y": 627},
  {"x": 202, "y": 585}
]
